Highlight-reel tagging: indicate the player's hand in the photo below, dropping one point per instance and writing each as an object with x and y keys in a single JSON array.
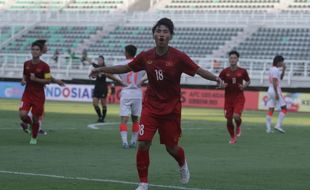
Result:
[
  {"x": 32, "y": 77},
  {"x": 94, "y": 73},
  {"x": 241, "y": 86},
  {"x": 60, "y": 82},
  {"x": 220, "y": 83},
  {"x": 23, "y": 82}
]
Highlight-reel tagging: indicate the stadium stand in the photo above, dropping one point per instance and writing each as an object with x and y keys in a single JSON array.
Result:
[
  {"x": 267, "y": 42},
  {"x": 35, "y": 5},
  {"x": 220, "y": 5},
  {"x": 95, "y": 5},
  {"x": 259, "y": 29}
]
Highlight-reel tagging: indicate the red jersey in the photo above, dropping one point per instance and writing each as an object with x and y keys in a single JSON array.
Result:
[
  {"x": 233, "y": 80},
  {"x": 163, "y": 93},
  {"x": 40, "y": 70}
]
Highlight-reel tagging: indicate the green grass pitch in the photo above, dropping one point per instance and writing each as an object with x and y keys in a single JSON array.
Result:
[{"x": 75, "y": 157}]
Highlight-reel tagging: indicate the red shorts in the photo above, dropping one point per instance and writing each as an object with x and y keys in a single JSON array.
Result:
[
  {"x": 234, "y": 105},
  {"x": 36, "y": 105},
  {"x": 169, "y": 128}
]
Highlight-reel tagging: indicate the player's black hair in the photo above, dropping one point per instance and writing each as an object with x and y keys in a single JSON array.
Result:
[
  {"x": 41, "y": 41},
  {"x": 277, "y": 59},
  {"x": 166, "y": 22},
  {"x": 101, "y": 56},
  {"x": 234, "y": 52},
  {"x": 37, "y": 44},
  {"x": 131, "y": 50}
]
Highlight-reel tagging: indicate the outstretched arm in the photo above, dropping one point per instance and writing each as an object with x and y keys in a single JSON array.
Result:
[
  {"x": 115, "y": 78},
  {"x": 210, "y": 76},
  {"x": 118, "y": 69},
  {"x": 57, "y": 81}
]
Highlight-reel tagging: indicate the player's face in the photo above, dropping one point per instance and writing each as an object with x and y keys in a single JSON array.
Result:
[
  {"x": 100, "y": 61},
  {"x": 280, "y": 64},
  {"x": 162, "y": 36},
  {"x": 233, "y": 59},
  {"x": 35, "y": 51}
]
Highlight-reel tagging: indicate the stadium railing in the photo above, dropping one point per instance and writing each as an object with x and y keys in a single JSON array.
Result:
[{"x": 297, "y": 74}]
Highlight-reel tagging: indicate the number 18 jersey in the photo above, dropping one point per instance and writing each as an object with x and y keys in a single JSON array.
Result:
[{"x": 163, "y": 93}]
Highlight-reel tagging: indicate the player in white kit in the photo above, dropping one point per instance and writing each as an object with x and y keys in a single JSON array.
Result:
[
  {"x": 131, "y": 99},
  {"x": 275, "y": 97}
]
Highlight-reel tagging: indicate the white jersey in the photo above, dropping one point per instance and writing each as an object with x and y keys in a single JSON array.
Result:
[
  {"x": 131, "y": 79},
  {"x": 274, "y": 73}
]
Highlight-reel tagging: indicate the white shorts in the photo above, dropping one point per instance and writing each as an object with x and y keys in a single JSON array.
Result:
[
  {"x": 130, "y": 107},
  {"x": 273, "y": 103}
]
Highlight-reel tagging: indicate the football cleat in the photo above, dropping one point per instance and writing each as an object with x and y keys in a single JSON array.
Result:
[
  {"x": 133, "y": 145},
  {"x": 42, "y": 132},
  {"x": 278, "y": 128},
  {"x": 269, "y": 131},
  {"x": 33, "y": 141},
  {"x": 125, "y": 146},
  {"x": 143, "y": 186},
  {"x": 184, "y": 173},
  {"x": 233, "y": 140}
]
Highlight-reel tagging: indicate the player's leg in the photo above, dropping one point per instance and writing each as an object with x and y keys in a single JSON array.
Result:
[
  {"x": 134, "y": 131},
  {"x": 97, "y": 108},
  {"x": 229, "y": 123},
  {"x": 37, "y": 112},
  {"x": 170, "y": 133},
  {"x": 135, "y": 113},
  {"x": 23, "y": 115},
  {"x": 238, "y": 109},
  {"x": 124, "y": 113},
  {"x": 269, "y": 119},
  {"x": 282, "y": 114},
  {"x": 123, "y": 129},
  {"x": 238, "y": 121},
  {"x": 104, "y": 108},
  {"x": 270, "y": 104},
  {"x": 148, "y": 128}
]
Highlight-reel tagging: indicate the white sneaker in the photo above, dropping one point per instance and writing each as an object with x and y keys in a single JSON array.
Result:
[
  {"x": 125, "y": 146},
  {"x": 278, "y": 128},
  {"x": 184, "y": 172},
  {"x": 143, "y": 186},
  {"x": 269, "y": 131}
]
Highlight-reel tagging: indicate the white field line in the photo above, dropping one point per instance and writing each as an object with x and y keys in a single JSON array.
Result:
[{"x": 96, "y": 180}]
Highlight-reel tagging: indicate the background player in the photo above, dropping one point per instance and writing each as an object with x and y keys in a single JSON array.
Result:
[
  {"x": 101, "y": 90},
  {"x": 131, "y": 99},
  {"x": 236, "y": 79},
  {"x": 275, "y": 97},
  {"x": 36, "y": 74},
  {"x": 23, "y": 125}
]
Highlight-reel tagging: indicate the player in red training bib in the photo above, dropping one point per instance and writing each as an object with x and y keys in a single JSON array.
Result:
[
  {"x": 161, "y": 109},
  {"x": 36, "y": 74},
  {"x": 236, "y": 79}
]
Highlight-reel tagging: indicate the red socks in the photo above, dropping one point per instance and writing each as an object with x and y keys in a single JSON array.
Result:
[
  {"x": 230, "y": 128},
  {"x": 143, "y": 162}
]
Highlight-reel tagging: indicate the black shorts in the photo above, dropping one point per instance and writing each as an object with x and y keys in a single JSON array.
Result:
[{"x": 100, "y": 92}]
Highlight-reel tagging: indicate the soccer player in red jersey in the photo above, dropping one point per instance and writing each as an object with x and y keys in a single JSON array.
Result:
[
  {"x": 23, "y": 125},
  {"x": 236, "y": 79},
  {"x": 36, "y": 74},
  {"x": 161, "y": 109}
]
